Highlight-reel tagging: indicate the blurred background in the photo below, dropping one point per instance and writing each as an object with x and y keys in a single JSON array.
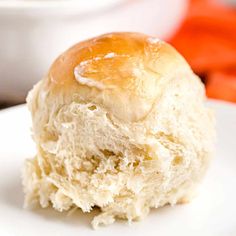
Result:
[{"x": 34, "y": 32}]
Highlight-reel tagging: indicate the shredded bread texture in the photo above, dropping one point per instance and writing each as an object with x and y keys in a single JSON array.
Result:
[{"x": 87, "y": 158}]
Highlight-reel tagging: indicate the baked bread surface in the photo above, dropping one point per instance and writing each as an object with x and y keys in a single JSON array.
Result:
[{"x": 120, "y": 123}]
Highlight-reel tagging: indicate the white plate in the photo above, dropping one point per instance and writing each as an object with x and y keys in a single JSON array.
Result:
[
  {"x": 81, "y": 5},
  {"x": 213, "y": 212}
]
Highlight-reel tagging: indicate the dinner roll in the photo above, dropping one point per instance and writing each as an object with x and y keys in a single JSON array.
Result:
[{"x": 120, "y": 124}]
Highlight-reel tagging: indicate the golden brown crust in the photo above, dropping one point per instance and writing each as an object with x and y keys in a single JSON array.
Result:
[
  {"x": 123, "y": 45},
  {"x": 127, "y": 68}
]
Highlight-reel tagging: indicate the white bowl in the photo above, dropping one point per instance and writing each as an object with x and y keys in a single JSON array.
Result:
[{"x": 33, "y": 33}]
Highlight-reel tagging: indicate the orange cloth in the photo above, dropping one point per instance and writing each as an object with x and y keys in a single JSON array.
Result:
[
  {"x": 207, "y": 39},
  {"x": 222, "y": 85}
]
